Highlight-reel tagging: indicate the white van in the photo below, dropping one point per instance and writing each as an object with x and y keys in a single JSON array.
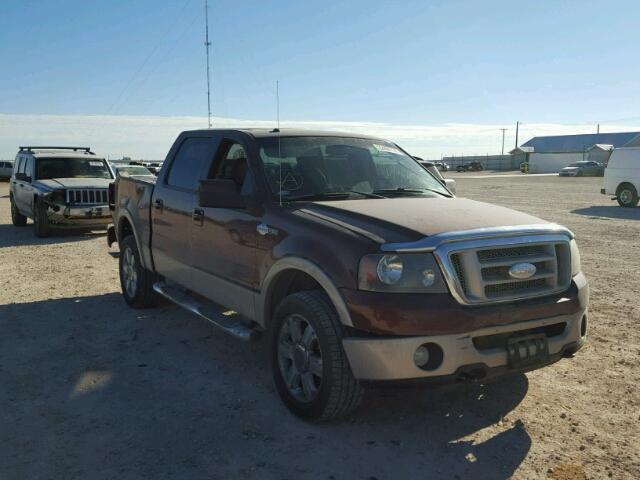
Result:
[
  {"x": 622, "y": 176},
  {"x": 6, "y": 168}
]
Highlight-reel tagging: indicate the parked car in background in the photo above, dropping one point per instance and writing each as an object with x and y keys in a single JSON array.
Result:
[
  {"x": 59, "y": 187},
  {"x": 622, "y": 176},
  {"x": 355, "y": 262},
  {"x": 130, "y": 170},
  {"x": 470, "y": 167},
  {"x": 584, "y": 168},
  {"x": 6, "y": 168}
]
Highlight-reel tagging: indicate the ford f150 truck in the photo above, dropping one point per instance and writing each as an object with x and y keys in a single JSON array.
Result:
[
  {"x": 353, "y": 260},
  {"x": 59, "y": 187}
]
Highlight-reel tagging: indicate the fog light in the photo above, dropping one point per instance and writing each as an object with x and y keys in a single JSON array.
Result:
[
  {"x": 421, "y": 356},
  {"x": 428, "y": 277}
]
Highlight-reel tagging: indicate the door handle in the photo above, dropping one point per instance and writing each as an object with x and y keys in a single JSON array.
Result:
[
  {"x": 158, "y": 204},
  {"x": 198, "y": 216},
  {"x": 264, "y": 230}
]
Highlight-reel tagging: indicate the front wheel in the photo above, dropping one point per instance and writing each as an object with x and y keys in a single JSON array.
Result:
[
  {"x": 627, "y": 196},
  {"x": 135, "y": 280},
  {"x": 17, "y": 218},
  {"x": 310, "y": 369},
  {"x": 41, "y": 225}
]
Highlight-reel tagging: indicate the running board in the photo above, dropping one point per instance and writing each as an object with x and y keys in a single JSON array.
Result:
[{"x": 228, "y": 322}]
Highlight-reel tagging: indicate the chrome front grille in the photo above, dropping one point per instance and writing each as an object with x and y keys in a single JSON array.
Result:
[
  {"x": 87, "y": 196},
  {"x": 479, "y": 272}
]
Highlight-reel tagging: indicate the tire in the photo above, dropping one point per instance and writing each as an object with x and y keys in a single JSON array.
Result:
[
  {"x": 136, "y": 281},
  {"x": 627, "y": 195},
  {"x": 41, "y": 225},
  {"x": 17, "y": 218},
  {"x": 316, "y": 357}
]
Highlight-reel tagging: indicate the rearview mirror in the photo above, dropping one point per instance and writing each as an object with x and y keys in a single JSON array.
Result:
[{"x": 219, "y": 193}]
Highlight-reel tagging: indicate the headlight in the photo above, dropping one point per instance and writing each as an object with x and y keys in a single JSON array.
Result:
[
  {"x": 401, "y": 273},
  {"x": 575, "y": 259},
  {"x": 389, "y": 269}
]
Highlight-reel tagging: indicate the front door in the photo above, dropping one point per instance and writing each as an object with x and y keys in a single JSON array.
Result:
[
  {"x": 172, "y": 206},
  {"x": 226, "y": 239}
]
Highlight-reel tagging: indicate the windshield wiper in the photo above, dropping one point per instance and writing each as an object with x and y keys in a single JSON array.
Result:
[
  {"x": 331, "y": 196},
  {"x": 410, "y": 190}
]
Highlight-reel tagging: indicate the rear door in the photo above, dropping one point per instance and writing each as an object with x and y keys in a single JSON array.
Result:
[
  {"x": 172, "y": 206},
  {"x": 225, "y": 240}
]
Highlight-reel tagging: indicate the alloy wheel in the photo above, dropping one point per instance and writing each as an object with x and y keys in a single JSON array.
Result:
[
  {"x": 300, "y": 358},
  {"x": 130, "y": 273}
]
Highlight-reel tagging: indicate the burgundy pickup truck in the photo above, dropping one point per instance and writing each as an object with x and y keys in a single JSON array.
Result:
[{"x": 356, "y": 262}]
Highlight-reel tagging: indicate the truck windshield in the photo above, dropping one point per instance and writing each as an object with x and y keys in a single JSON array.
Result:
[
  {"x": 317, "y": 167},
  {"x": 60, "y": 167}
]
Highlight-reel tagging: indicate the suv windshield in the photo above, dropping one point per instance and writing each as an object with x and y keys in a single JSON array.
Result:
[
  {"x": 337, "y": 168},
  {"x": 71, "y": 168}
]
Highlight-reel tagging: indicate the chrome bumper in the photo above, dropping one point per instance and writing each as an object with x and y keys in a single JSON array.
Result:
[{"x": 381, "y": 359}]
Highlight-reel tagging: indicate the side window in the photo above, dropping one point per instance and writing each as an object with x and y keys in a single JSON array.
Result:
[
  {"x": 28, "y": 168},
  {"x": 187, "y": 165},
  {"x": 231, "y": 164},
  {"x": 23, "y": 160}
]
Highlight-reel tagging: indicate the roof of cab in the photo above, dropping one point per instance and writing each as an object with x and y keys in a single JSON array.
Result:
[{"x": 283, "y": 132}]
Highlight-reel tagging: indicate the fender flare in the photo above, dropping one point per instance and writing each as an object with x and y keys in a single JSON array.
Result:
[
  {"x": 263, "y": 300},
  {"x": 126, "y": 216}
]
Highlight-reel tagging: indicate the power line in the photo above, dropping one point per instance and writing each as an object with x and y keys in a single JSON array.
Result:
[{"x": 146, "y": 60}]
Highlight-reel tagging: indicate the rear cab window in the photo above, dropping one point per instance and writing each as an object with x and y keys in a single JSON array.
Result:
[{"x": 189, "y": 161}]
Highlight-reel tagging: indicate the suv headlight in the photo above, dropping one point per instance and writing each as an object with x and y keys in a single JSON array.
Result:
[
  {"x": 400, "y": 273},
  {"x": 576, "y": 268}
]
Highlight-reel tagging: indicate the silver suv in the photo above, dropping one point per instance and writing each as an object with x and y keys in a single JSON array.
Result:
[{"x": 60, "y": 187}]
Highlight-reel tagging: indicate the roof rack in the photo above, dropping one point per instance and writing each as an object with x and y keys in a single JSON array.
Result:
[{"x": 75, "y": 149}]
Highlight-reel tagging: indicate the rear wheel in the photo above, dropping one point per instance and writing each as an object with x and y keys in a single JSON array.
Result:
[
  {"x": 135, "y": 280},
  {"x": 310, "y": 369},
  {"x": 41, "y": 225},
  {"x": 627, "y": 195},
  {"x": 17, "y": 218}
]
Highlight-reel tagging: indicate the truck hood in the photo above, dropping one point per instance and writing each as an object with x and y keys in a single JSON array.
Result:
[
  {"x": 408, "y": 219},
  {"x": 76, "y": 182}
]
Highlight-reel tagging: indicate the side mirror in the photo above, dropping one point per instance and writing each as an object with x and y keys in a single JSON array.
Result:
[
  {"x": 219, "y": 193},
  {"x": 22, "y": 177},
  {"x": 450, "y": 183}
]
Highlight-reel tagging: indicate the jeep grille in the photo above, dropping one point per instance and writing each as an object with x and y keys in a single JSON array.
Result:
[{"x": 87, "y": 196}]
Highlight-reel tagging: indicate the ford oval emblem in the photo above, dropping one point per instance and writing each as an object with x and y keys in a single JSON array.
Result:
[{"x": 522, "y": 271}]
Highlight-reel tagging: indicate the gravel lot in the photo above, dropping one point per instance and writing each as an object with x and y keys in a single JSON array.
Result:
[{"x": 92, "y": 389}]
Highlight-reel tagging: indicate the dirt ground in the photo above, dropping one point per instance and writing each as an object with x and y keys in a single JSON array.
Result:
[{"x": 92, "y": 389}]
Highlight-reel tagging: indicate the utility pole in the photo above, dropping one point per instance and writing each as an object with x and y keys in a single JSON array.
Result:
[
  {"x": 503, "y": 130},
  {"x": 207, "y": 43},
  {"x": 598, "y": 130},
  {"x": 517, "y": 125}
]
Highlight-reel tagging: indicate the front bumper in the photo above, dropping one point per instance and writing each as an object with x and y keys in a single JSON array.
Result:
[
  {"x": 384, "y": 359},
  {"x": 382, "y": 355},
  {"x": 79, "y": 216}
]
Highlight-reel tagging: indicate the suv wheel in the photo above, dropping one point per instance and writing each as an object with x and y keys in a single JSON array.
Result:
[
  {"x": 310, "y": 369},
  {"x": 17, "y": 218},
  {"x": 627, "y": 195},
  {"x": 41, "y": 226},
  {"x": 135, "y": 280}
]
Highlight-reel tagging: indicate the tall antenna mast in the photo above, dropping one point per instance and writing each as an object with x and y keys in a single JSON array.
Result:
[{"x": 207, "y": 43}]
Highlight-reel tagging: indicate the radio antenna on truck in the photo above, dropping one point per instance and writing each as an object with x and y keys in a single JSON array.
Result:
[
  {"x": 277, "y": 130},
  {"x": 207, "y": 44}
]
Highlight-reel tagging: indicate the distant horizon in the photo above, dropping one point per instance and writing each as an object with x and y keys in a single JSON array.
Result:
[{"x": 150, "y": 136}]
